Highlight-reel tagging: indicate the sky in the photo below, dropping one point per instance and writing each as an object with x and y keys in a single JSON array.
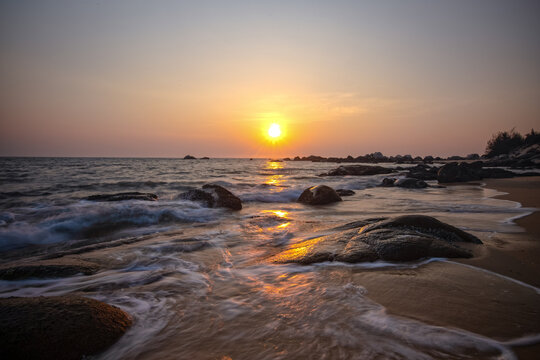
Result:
[{"x": 207, "y": 78}]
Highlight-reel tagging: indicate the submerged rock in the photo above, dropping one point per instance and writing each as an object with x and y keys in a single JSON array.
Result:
[
  {"x": 59, "y": 327},
  {"x": 358, "y": 170},
  {"x": 47, "y": 269},
  {"x": 345, "y": 192},
  {"x": 319, "y": 195},
  {"x": 403, "y": 238},
  {"x": 123, "y": 196},
  {"x": 213, "y": 196}
]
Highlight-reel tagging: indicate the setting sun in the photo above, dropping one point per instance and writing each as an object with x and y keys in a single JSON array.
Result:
[{"x": 274, "y": 131}]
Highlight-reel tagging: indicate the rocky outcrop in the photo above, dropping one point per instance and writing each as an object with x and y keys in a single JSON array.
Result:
[
  {"x": 123, "y": 196},
  {"x": 59, "y": 328},
  {"x": 47, "y": 269},
  {"x": 189, "y": 157},
  {"x": 459, "y": 172},
  {"x": 358, "y": 170},
  {"x": 403, "y": 238},
  {"x": 319, "y": 195},
  {"x": 422, "y": 172},
  {"x": 345, "y": 192},
  {"x": 213, "y": 196}
]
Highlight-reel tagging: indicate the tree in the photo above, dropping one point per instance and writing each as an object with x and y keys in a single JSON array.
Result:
[{"x": 504, "y": 142}]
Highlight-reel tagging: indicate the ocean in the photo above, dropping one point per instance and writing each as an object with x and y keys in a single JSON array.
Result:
[{"x": 195, "y": 279}]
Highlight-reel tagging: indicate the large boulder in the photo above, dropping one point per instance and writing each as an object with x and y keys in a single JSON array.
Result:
[
  {"x": 454, "y": 172},
  {"x": 319, "y": 195},
  {"x": 59, "y": 328},
  {"x": 358, "y": 170},
  {"x": 403, "y": 238},
  {"x": 47, "y": 269},
  {"x": 123, "y": 196},
  {"x": 213, "y": 196}
]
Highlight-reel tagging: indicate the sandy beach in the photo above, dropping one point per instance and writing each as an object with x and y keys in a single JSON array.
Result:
[{"x": 449, "y": 294}]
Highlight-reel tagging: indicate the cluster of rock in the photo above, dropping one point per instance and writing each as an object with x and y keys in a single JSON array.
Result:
[
  {"x": 403, "y": 238},
  {"x": 191, "y": 157},
  {"x": 525, "y": 156}
]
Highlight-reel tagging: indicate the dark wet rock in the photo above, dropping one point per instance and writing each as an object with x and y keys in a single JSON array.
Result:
[
  {"x": 225, "y": 198},
  {"x": 59, "y": 328},
  {"x": 189, "y": 157},
  {"x": 123, "y": 196},
  {"x": 198, "y": 195},
  {"x": 454, "y": 172},
  {"x": 403, "y": 238},
  {"x": 358, "y": 170},
  {"x": 213, "y": 196},
  {"x": 319, "y": 195},
  {"x": 388, "y": 182},
  {"x": 47, "y": 269},
  {"x": 411, "y": 183},
  {"x": 345, "y": 192},
  {"x": 423, "y": 172}
]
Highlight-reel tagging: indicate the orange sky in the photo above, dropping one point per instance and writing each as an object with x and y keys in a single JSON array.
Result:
[{"x": 132, "y": 78}]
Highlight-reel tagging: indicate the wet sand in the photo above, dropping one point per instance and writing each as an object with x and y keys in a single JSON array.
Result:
[{"x": 452, "y": 294}]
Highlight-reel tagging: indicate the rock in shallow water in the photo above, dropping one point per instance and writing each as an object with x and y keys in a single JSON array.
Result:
[
  {"x": 47, "y": 269},
  {"x": 319, "y": 195},
  {"x": 213, "y": 196},
  {"x": 345, "y": 192},
  {"x": 59, "y": 327},
  {"x": 123, "y": 196},
  {"x": 403, "y": 238}
]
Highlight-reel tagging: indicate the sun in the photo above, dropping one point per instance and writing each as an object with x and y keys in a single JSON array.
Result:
[{"x": 274, "y": 131}]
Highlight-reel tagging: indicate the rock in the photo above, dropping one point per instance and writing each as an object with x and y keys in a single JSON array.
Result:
[
  {"x": 345, "y": 192},
  {"x": 358, "y": 170},
  {"x": 404, "y": 238},
  {"x": 410, "y": 183},
  {"x": 496, "y": 173},
  {"x": 423, "y": 172},
  {"x": 47, "y": 269},
  {"x": 60, "y": 327},
  {"x": 454, "y": 172},
  {"x": 275, "y": 160},
  {"x": 198, "y": 195},
  {"x": 189, "y": 157},
  {"x": 205, "y": 158},
  {"x": 213, "y": 196},
  {"x": 123, "y": 196},
  {"x": 388, "y": 182},
  {"x": 319, "y": 195}
]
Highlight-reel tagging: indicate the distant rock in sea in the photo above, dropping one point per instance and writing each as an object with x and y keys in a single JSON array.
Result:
[
  {"x": 205, "y": 158},
  {"x": 213, "y": 196},
  {"x": 123, "y": 196},
  {"x": 403, "y": 238},
  {"x": 59, "y": 327},
  {"x": 358, "y": 170},
  {"x": 319, "y": 195},
  {"x": 189, "y": 157}
]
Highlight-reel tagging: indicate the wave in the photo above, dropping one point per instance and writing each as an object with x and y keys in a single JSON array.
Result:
[{"x": 84, "y": 220}]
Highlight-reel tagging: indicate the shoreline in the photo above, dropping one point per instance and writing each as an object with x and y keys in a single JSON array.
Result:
[{"x": 447, "y": 294}]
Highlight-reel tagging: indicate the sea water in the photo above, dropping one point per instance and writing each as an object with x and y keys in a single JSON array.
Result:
[{"x": 195, "y": 279}]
